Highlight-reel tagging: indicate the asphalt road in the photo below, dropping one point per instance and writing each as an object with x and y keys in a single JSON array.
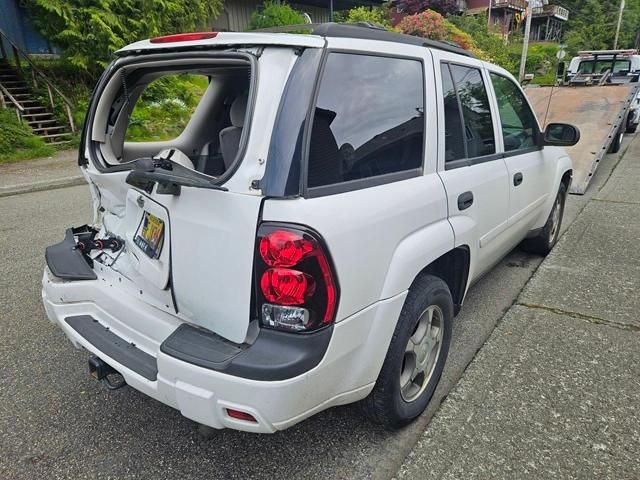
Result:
[{"x": 57, "y": 422}]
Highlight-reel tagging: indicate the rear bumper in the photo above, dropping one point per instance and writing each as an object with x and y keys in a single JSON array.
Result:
[{"x": 346, "y": 373}]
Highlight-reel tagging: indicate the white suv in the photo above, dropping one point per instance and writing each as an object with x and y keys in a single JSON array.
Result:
[{"x": 309, "y": 236}]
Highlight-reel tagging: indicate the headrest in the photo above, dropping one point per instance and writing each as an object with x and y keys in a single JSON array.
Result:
[{"x": 238, "y": 110}]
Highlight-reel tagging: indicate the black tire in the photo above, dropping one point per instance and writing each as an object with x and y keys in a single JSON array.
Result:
[
  {"x": 616, "y": 143},
  {"x": 544, "y": 242},
  {"x": 386, "y": 404},
  {"x": 632, "y": 128}
]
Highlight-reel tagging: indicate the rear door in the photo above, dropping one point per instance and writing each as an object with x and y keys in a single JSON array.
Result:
[
  {"x": 473, "y": 172},
  {"x": 529, "y": 171},
  {"x": 189, "y": 250}
]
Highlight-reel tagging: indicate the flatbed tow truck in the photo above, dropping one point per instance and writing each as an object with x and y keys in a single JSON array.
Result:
[{"x": 599, "y": 95}]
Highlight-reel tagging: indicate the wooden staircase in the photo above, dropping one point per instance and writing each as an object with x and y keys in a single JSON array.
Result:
[{"x": 41, "y": 119}]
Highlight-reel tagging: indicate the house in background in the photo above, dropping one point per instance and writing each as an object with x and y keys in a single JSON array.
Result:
[
  {"x": 507, "y": 16},
  {"x": 15, "y": 24},
  {"x": 236, "y": 14}
]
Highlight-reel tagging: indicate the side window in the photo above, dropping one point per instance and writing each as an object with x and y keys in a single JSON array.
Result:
[
  {"x": 478, "y": 125},
  {"x": 519, "y": 127},
  {"x": 453, "y": 128},
  {"x": 368, "y": 119}
]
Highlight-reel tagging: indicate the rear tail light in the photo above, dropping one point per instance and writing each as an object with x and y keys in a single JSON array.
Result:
[{"x": 296, "y": 288}]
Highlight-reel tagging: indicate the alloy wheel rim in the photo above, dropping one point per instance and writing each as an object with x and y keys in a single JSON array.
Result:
[{"x": 421, "y": 353}]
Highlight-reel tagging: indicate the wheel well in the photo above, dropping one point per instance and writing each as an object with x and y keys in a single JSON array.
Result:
[
  {"x": 566, "y": 179},
  {"x": 453, "y": 268}
]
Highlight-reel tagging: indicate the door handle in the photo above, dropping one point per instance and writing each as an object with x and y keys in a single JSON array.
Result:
[
  {"x": 465, "y": 200},
  {"x": 517, "y": 179}
]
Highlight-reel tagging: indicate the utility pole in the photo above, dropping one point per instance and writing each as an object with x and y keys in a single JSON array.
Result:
[
  {"x": 615, "y": 42},
  {"x": 489, "y": 15},
  {"x": 527, "y": 33}
]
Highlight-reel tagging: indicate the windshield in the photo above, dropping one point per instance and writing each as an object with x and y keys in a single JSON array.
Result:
[{"x": 598, "y": 67}]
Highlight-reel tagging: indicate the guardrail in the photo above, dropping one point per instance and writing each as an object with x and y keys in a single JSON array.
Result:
[
  {"x": 36, "y": 75},
  {"x": 514, "y": 4},
  {"x": 552, "y": 11},
  {"x": 3, "y": 104}
]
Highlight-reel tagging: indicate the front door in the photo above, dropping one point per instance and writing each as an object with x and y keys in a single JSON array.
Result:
[{"x": 523, "y": 153}]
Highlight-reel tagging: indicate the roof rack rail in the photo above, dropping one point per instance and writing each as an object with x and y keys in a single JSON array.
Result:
[{"x": 366, "y": 31}]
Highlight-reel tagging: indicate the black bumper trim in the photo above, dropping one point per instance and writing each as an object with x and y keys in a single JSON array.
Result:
[
  {"x": 67, "y": 262},
  {"x": 114, "y": 346},
  {"x": 273, "y": 356}
]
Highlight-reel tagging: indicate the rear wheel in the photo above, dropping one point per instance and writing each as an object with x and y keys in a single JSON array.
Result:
[
  {"x": 616, "y": 143},
  {"x": 416, "y": 355},
  {"x": 544, "y": 242}
]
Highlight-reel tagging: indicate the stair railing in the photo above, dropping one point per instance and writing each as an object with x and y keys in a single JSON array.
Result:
[
  {"x": 36, "y": 74},
  {"x": 3, "y": 104}
]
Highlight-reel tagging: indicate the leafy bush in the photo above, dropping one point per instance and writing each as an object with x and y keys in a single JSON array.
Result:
[
  {"x": 17, "y": 141},
  {"x": 378, "y": 15},
  {"x": 428, "y": 24},
  {"x": 275, "y": 15},
  {"x": 443, "y": 7},
  {"x": 165, "y": 108},
  {"x": 89, "y": 31}
]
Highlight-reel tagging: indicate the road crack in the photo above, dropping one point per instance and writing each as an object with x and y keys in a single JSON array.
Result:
[
  {"x": 621, "y": 202},
  {"x": 580, "y": 316}
]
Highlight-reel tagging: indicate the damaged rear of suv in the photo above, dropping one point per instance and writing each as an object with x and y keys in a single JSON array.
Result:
[{"x": 289, "y": 245}]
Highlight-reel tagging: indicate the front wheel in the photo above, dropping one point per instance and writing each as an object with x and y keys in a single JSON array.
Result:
[
  {"x": 416, "y": 356},
  {"x": 544, "y": 242}
]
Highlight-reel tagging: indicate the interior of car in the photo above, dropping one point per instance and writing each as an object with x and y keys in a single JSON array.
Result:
[{"x": 205, "y": 134}]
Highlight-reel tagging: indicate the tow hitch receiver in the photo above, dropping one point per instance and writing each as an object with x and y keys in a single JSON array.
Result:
[{"x": 100, "y": 370}]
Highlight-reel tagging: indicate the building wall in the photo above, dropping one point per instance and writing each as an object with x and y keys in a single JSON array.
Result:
[
  {"x": 14, "y": 22},
  {"x": 477, "y": 3},
  {"x": 237, "y": 13}
]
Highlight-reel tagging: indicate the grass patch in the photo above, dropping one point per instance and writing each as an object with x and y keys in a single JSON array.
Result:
[
  {"x": 165, "y": 108},
  {"x": 17, "y": 141}
]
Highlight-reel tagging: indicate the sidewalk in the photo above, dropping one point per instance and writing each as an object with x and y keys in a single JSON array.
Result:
[
  {"x": 58, "y": 171},
  {"x": 555, "y": 392}
]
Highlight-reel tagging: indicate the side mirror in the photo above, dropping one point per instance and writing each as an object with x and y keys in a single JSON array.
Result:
[{"x": 561, "y": 135}]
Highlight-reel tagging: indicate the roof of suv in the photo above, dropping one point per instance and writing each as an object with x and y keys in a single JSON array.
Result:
[{"x": 284, "y": 36}]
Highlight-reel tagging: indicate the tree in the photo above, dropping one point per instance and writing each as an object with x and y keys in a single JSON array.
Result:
[
  {"x": 443, "y": 7},
  {"x": 89, "y": 31},
  {"x": 592, "y": 23},
  {"x": 378, "y": 15},
  {"x": 274, "y": 15}
]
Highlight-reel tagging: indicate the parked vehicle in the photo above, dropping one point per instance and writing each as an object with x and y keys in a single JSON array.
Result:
[
  {"x": 609, "y": 67},
  {"x": 308, "y": 238}
]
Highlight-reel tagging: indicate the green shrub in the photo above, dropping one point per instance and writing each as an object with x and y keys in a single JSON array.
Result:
[
  {"x": 89, "y": 31},
  {"x": 377, "y": 15},
  {"x": 165, "y": 108},
  {"x": 427, "y": 24},
  {"x": 275, "y": 15},
  {"x": 17, "y": 141}
]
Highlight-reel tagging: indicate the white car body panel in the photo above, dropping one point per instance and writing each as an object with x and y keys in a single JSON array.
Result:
[{"x": 379, "y": 239}]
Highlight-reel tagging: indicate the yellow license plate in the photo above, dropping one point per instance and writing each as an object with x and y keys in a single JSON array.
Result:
[{"x": 150, "y": 236}]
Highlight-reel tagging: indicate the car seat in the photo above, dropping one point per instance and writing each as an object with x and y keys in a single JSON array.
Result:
[{"x": 230, "y": 136}]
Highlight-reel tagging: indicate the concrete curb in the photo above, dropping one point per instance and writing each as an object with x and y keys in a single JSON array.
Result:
[{"x": 42, "y": 186}]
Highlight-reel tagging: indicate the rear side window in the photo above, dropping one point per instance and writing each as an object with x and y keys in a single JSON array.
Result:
[
  {"x": 473, "y": 107},
  {"x": 519, "y": 126},
  {"x": 478, "y": 125},
  {"x": 454, "y": 147},
  {"x": 368, "y": 120}
]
